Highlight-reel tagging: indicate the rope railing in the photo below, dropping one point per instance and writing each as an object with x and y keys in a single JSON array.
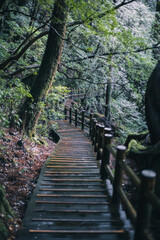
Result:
[{"x": 101, "y": 138}]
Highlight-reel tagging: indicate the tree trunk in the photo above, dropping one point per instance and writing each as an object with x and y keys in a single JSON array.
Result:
[
  {"x": 109, "y": 92},
  {"x": 156, "y": 30},
  {"x": 31, "y": 109},
  {"x": 152, "y": 105}
]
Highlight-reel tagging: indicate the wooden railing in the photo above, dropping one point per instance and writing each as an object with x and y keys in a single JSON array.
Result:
[
  {"x": 79, "y": 93},
  {"x": 101, "y": 138}
]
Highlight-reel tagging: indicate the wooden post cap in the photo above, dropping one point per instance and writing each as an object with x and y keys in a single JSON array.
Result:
[
  {"x": 101, "y": 127},
  {"x": 120, "y": 152},
  {"x": 108, "y": 135},
  {"x": 107, "y": 129},
  {"x": 107, "y": 138},
  {"x": 148, "y": 173},
  {"x": 121, "y": 148}
]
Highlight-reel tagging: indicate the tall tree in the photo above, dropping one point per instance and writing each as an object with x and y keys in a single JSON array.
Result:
[
  {"x": 48, "y": 66},
  {"x": 156, "y": 29}
]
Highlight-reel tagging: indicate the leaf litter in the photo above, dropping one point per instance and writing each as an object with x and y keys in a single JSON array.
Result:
[{"x": 20, "y": 166}]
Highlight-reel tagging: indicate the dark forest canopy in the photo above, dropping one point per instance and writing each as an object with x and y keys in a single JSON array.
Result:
[
  {"x": 104, "y": 44},
  {"x": 50, "y": 47}
]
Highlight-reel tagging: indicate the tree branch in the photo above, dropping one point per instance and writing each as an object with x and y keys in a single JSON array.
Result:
[
  {"x": 118, "y": 53},
  {"x": 30, "y": 35},
  {"x": 22, "y": 70},
  {"x": 81, "y": 79},
  {"x": 91, "y": 18},
  {"x": 23, "y": 50}
]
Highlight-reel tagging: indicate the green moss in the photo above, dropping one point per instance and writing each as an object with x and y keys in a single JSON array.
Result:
[
  {"x": 3, "y": 231},
  {"x": 135, "y": 146},
  {"x": 1, "y": 194},
  {"x": 7, "y": 207},
  {"x": 4, "y": 204},
  {"x": 6, "y": 211}
]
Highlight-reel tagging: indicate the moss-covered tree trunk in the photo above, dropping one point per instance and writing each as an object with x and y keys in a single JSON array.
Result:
[{"x": 31, "y": 110}]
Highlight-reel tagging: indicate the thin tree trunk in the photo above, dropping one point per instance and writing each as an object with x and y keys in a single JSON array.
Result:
[
  {"x": 109, "y": 92},
  {"x": 48, "y": 67}
]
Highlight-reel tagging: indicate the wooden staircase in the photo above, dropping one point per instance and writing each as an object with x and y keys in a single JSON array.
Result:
[{"x": 70, "y": 200}]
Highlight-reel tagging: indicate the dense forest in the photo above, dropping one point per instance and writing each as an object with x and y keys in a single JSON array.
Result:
[{"x": 50, "y": 47}]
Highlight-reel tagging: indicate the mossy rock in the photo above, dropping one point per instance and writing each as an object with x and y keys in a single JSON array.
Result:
[{"x": 136, "y": 146}]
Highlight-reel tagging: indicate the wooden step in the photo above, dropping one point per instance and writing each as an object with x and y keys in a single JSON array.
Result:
[
  {"x": 78, "y": 231},
  {"x": 70, "y": 201},
  {"x": 73, "y": 202}
]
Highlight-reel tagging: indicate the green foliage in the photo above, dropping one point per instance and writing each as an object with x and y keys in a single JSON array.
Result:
[
  {"x": 86, "y": 61},
  {"x": 127, "y": 118},
  {"x": 5, "y": 212},
  {"x": 52, "y": 109},
  {"x": 11, "y": 96},
  {"x": 135, "y": 146}
]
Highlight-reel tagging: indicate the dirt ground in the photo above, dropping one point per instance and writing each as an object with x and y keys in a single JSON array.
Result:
[{"x": 20, "y": 165}]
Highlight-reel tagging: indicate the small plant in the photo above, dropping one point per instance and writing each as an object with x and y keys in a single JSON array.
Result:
[
  {"x": 11, "y": 96},
  {"x": 52, "y": 109}
]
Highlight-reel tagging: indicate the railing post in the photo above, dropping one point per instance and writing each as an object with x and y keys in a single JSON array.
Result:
[
  {"x": 82, "y": 126},
  {"x": 90, "y": 125},
  {"x": 94, "y": 121},
  {"x": 76, "y": 117},
  {"x": 100, "y": 141},
  {"x": 65, "y": 113},
  {"x": 105, "y": 156},
  {"x": 106, "y": 110},
  {"x": 100, "y": 138},
  {"x": 144, "y": 207},
  {"x": 118, "y": 173},
  {"x": 70, "y": 115},
  {"x": 96, "y": 136}
]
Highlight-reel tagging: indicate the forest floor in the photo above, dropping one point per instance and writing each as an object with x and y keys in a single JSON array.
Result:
[{"x": 20, "y": 165}]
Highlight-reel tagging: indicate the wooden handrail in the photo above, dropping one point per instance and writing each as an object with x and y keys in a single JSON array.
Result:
[
  {"x": 79, "y": 94},
  {"x": 101, "y": 140}
]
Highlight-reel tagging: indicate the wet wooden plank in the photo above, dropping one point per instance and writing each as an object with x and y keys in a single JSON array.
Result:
[
  {"x": 72, "y": 195},
  {"x": 71, "y": 220},
  {"x": 70, "y": 201},
  {"x": 73, "y": 180},
  {"x": 72, "y": 190},
  {"x": 78, "y": 231}
]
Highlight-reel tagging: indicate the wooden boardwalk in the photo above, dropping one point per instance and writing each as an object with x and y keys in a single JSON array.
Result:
[{"x": 70, "y": 201}]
